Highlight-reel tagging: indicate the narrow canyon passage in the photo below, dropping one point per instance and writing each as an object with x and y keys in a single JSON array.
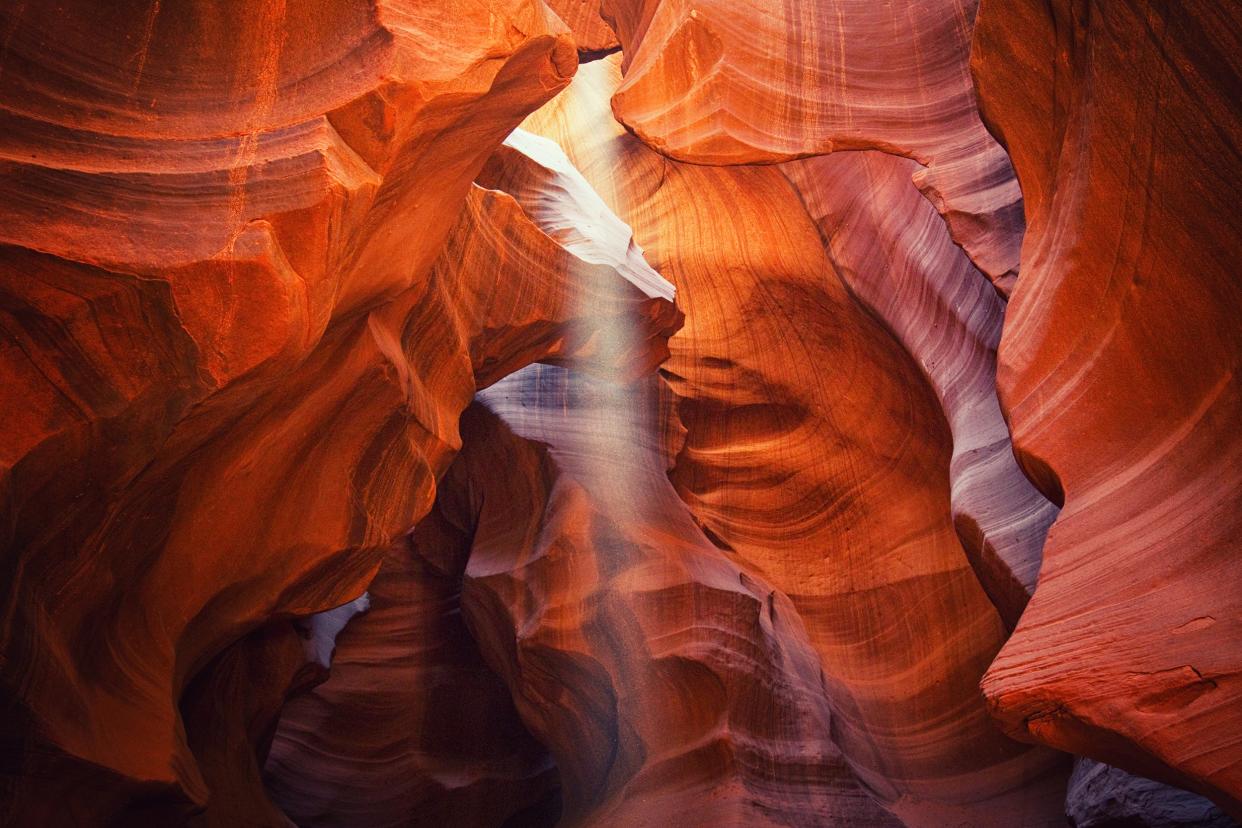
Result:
[{"x": 620, "y": 413}]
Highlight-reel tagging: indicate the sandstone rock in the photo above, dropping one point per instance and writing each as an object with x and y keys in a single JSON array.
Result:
[
  {"x": 820, "y": 458},
  {"x": 572, "y": 275},
  {"x": 670, "y": 681},
  {"x": 593, "y": 36},
  {"x": 255, "y": 264},
  {"x": 887, "y": 244},
  {"x": 411, "y": 727},
  {"x": 561, "y": 502},
  {"x": 894, "y": 254},
  {"x": 230, "y": 711},
  {"x": 715, "y": 81},
  {"x": 231, "y": 376},
  {"x": 1118, "y": 374}
]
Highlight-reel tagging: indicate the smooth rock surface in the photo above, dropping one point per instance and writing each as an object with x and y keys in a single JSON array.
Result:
[
  {"x": 723, "y": 82},
  {"x": 1118, "y": 373},
  {"x": 592, "y": 34},
  {"x": 411, "y": 727},
  {"x": 293, "y": 531},
  {"x": 231, "y": 374},
  {"x": 774, "y": 457},
  {"x": 895, "y": 255},
  {"x": 670, "y": 681}
]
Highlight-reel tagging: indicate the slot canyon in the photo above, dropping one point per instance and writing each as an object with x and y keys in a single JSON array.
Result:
[{"x": 656, "y": 413}]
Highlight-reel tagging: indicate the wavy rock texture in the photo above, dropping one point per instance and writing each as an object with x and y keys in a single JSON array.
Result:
[
  {"x": 412, "y": 696},
  {"x": 1118, "y": 373},
  {"x": 672, "y": 684},
  {"x": 230, "y": 711},
  {"x": 658, "y": 673},
  {"x": 231, "y": 374},
  {"x": 895, "y": 255},
  {"x": 255, "y": 269},
  {"x": 529, "y": 297},
  {"x": 718, "y": 81},
  {"x": 411, "y": 727},
  {"x": 778, "y": 453},
  {"x": 592, "y": 34}
]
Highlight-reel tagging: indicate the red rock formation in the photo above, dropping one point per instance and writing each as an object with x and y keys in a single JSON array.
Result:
[
  {"x": 895, "y": 255},
  {"x": 672, "y": 684},
  {"x": 1118, "y": 374},
  {"x": 772, "y": 437},
  {"x": 569, "y": 259},
  {"x": 751, "y": 730},
  {"x": 230, "y": 712},
  {"x": 254, "y": 266},
  {"x": 714, "y": 81},
  {"x": 231, "y": 375},
  {"x": 411, "y": 727},
  {"x": 591, "y": 33}
]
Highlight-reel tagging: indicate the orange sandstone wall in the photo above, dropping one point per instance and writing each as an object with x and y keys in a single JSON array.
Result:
[
  {"x": 937, "y": 482},
  {"x": 1118, "y": 373}
]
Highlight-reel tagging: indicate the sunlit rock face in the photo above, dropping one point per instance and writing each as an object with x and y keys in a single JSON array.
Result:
[
  {"x": 879, "y": 466},
  {"x": 716, "y": 81},
  {"x": 780, "y": 463},
  {"x": 897, "y": 258},
  {"x": 671, "y": 681},
  {"x": 231, "y": 372},
  {"x": 591, "y": 32}
]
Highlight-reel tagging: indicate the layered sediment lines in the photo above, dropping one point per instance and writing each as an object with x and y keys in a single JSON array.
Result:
[
  {"x": 592, "y": 34},
  {"x": 669, "y": 680},
  {"x": 232, "y": 373},
  {"x": 411, "y": 694},
  {"x": 1118, "y": 373},
  {"x": 411, "y": 726},
  {"x": 723, "y": 82},
  {"x": 271, "y": 290},
  {"x": 783, "y": 434},
  {"x": 895, "y": 255},
  {"x": 660, "y": 676}
]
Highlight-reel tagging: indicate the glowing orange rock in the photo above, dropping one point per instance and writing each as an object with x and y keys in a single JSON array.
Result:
[
  {"x": 722, "y": 82},
  {"x": 555, "y": 272},
  {"x": 671, "y": 683},
  {"x": 231, "y": 375},
  {"x": 1118, "y": 373},
  {"x": 814, "y": 451},
  {"x": 590, "y": 31},
  {"x": 894, "y": 253}
]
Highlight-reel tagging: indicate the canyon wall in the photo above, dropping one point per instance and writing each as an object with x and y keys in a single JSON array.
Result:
[
  {"x": 1118, "y": 371},
  {"x": 232, "y": 373},
  {"x": 881, "y": 467}
]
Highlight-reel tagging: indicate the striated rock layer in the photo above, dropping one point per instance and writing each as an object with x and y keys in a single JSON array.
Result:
[
  {"x": 717, "y": 81},
  {"x": 895, "y": 255},
  {"x": 592, "y": 34},
  {"x": 263, "y": 274},
  {"x": 1118, "y": 373},
  {"x": 786, "y": 465},
  {"x": 231, "y": 375},
  {"x": 544, "y": 227},
  {"x": 411, "y": 727},
  {"x": 671, "y": 682},
  {"x": 658, "y": 673}
]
